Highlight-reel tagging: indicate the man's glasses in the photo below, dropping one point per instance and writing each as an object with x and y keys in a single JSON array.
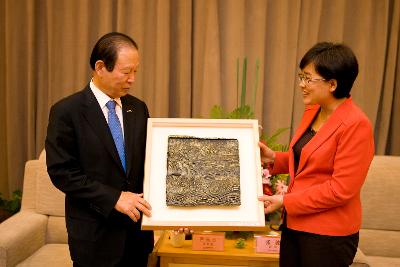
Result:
[{"x": 308, "y": 80}]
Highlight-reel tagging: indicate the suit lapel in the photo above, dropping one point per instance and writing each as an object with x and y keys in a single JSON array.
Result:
[
  {"x": 95, "y": 118},
  {"x": 129, "y": 116},
  {"x": 329, "y": 128},
  {"x": 308, "y": 117}
]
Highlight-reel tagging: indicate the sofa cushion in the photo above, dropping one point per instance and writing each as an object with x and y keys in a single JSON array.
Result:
[
  {"x": 21, "y": 235},
  {"x": 380, "y": 242},
  {"x": 49, "y": 200},
  {"x": 380, "y": 197},
  {"x": 377, "y": 261},
  {"x": 56, "y": 230},
  {"x": 49, "y": 255}
]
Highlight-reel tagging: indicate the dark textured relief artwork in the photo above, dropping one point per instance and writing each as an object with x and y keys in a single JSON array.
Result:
[{"x": 202, "y": 172}]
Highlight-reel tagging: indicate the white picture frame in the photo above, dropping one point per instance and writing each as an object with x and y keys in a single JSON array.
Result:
[{"x": 249, "y": 216}]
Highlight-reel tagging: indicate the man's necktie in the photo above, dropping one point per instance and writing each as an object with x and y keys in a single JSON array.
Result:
[{"x": 116, "y": 131}]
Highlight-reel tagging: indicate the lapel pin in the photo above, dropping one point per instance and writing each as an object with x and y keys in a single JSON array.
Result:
[{"x": 129, "y": 110}]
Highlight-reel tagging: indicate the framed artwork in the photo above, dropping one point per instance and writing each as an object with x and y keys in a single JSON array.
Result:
[{"x": 204, "y": 174}]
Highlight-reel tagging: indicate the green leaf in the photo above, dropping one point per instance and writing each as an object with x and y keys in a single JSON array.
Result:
[
  {"x": 256, "y": 84},
  {"x": 272, "y": 140},
  {"x": 237, "y": 77},
  {"x": 244, "y": 74},
  {"x": 217, "y": 112},
  {"x": 1, "y": 201},
  {"x": 14, "y": 204},
  {"x": 242, "y": 112},
  {"x": 240, "y": 243}
]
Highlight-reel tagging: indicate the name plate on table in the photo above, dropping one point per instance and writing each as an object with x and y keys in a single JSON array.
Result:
[
  {"x": 267, "y": 243},
  {"x": 210, "y": 241}
]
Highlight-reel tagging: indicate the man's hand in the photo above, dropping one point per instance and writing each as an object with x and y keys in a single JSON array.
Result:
[
  {"x": 131, "y": 204},
  {"x": 271, "y": 203}
]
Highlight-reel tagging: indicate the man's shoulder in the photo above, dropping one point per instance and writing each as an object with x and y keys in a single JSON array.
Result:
[
  {"x": 132, "y": 100},
  {"x": 72, "y": 100}
]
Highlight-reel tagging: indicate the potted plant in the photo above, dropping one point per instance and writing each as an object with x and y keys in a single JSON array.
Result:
[
  {"x": 8, "y": 207},
  {"x": 272, "y": 184}
]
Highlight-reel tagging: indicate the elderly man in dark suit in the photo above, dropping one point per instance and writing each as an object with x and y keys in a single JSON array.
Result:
[{"x": 95, "y": 150}]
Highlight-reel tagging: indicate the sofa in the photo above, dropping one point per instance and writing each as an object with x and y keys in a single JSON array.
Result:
[
  {"x": 380, "y": 231},
  {"x": 36, "y": 236}
]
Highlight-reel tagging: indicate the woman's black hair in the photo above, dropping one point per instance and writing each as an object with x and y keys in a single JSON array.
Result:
[{"x": 333, "y": 61}]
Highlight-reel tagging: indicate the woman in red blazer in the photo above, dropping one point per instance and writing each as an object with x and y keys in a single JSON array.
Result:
[{"x": 328, "y": 160}]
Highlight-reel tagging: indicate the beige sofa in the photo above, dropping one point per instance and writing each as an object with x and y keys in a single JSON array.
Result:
[
  {"x": 380, "y": 233},
  {"x": 36, "y": 236}
]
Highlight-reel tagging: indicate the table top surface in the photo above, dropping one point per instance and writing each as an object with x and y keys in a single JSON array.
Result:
[{"x": 165, "y": 248}]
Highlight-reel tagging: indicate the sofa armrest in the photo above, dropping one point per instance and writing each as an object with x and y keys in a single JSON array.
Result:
[{"x": 21, "y": 235}]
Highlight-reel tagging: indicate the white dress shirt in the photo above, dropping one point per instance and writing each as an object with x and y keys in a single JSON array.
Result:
[{"x": 102, "y": 99}]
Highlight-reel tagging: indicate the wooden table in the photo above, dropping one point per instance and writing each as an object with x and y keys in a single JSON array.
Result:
[{"x": 231, "y": 256}]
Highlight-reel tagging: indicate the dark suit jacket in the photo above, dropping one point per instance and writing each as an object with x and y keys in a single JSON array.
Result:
[{"x": 83, "y": 162}]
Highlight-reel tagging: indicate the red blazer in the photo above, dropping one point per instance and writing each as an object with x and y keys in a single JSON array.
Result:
[{"x": 324, "y": 194}]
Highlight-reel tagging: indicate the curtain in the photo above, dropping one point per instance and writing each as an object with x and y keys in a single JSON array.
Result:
[{"x": 189, "y": 53}]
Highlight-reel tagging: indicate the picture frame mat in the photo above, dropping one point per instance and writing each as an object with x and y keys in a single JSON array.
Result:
[{"x": 248, "y": 216}]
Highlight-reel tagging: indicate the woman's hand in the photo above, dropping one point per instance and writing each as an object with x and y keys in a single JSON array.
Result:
[
  {"x": 267, "y": 154},
  {"x": 271, "y": 203}
]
